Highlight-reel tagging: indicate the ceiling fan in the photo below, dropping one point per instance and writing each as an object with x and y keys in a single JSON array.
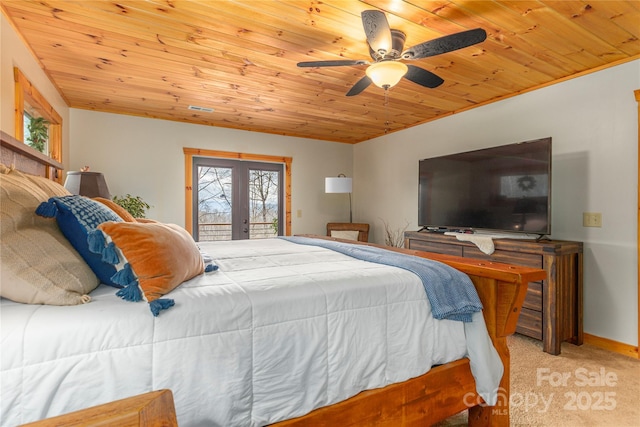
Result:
[{"x": 386, "y": 49}]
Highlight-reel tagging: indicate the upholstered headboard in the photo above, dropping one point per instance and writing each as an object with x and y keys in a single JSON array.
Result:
[{"x": 26, "y": 159}]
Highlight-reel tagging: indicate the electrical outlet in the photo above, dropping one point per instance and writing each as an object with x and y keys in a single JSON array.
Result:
[
  {"x": 591, "y": 219},
  {"x": 299, "y": 213}
]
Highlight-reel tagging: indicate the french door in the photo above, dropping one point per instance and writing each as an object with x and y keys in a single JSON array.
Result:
[{"x": 236, "y": 199}]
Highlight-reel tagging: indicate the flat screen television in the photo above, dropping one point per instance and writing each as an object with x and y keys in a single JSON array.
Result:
[{"x": 504, "y": 188}]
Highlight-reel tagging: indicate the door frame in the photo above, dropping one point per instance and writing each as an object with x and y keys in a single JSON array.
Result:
[
  {"x": 190, "y": 153},
  {"x": 637, "y": 95}
]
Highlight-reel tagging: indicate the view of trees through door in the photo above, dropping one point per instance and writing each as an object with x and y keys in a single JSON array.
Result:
[{"x": 237, "y": 199}]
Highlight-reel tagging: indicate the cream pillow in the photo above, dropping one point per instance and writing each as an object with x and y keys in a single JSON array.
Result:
[
  {"x": 345, "y": 234},
  {"x": 37, "y": 263},
  {"x": 50, "y": 188}
]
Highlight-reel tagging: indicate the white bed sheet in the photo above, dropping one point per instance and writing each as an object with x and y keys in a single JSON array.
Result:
[{"x": 278, "y": 330}]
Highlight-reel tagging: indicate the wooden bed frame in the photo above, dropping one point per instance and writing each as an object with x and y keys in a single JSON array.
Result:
[
  {"x": 447, "y": 389},
  {"x": 442, "y": 392},
  {"x": 153, "y": 409}
]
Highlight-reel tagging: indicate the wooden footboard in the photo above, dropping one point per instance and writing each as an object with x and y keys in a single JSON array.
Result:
[
  {"x": 152, "y": 409},
  {"x": 448, "y": 389}
]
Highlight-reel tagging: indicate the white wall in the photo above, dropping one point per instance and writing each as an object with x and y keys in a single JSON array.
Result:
[
  {"x": 144, "y": 157},
  {"x": 593, "y": 123},
  {"x": 13, "y": 53}
]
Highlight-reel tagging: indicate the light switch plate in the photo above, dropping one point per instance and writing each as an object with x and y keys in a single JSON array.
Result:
[{"x": 591, "y": 219}]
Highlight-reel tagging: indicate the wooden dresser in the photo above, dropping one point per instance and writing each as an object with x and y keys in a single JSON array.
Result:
[{"x": 552, "y": 310}]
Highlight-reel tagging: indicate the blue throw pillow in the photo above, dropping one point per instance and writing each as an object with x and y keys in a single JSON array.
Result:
[{"x": 77, "y": 216}]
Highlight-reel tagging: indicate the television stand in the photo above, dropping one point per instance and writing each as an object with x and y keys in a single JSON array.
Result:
[{"x": 552, "y": 310}]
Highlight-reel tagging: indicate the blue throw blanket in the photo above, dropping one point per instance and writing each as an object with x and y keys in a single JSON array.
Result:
[{"x": 450, "y": 292}]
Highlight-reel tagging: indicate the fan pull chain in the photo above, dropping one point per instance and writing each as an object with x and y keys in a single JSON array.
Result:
[{"x": 386, "y": 110}]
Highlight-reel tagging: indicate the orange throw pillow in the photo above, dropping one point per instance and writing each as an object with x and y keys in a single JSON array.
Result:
[
  {"x": 153, "y": 259},
  {"x": 119, "y": 210}
]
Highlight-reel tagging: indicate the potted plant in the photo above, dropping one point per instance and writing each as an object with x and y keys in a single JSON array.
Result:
[
  {"x": 38, "y": 133},
  {"x": 133, "y": 204}
]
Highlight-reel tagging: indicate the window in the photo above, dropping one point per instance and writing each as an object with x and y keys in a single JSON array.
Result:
[
  {"x": 31, "y": 105},
  {"x": 518, "y": 186},
  {"x": 36, "y": 129}
]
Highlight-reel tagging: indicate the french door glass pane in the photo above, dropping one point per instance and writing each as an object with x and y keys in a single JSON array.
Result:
[
  {"x": 237, "y": 199},
  {"x": 215, "y": 203},
  {"x": 263, "y": 203}
]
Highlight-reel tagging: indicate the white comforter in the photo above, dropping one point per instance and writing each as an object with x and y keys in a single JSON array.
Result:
[{"x": 278, "y": 330}]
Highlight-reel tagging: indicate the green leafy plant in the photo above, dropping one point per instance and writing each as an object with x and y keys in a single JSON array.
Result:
[
  {"x": 38, "y": 133},
  {"x": 133, "y": 204}
]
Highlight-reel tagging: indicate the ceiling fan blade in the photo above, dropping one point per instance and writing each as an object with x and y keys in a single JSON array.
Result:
[
  {"x": 376, "y": 28},
  {"x": 337, "y": 63},
  {"x": 422, "y": 77},
  {"x": 361, "y": 85},
  {"x": 445, "y": 44}
]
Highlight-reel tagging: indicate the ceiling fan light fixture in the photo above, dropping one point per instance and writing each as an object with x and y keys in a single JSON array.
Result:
[{"x": 386, "y": 74}]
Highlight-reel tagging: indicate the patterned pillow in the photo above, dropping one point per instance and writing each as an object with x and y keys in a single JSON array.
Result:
[
  {"x": 152, "y": 259},
  {"x": 77, "y": 216},
  {"x": 37, "y": 264}
]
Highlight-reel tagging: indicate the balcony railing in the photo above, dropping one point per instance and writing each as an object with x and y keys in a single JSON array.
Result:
[{"x": 209, "y": 232}]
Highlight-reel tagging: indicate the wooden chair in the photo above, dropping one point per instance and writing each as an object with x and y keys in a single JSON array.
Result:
[{"x": 341, "y": 230}]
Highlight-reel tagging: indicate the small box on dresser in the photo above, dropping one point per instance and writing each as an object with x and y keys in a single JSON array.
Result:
[{"x": 552, "y": 310}]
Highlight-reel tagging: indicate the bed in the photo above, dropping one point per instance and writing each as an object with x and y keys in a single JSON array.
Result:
[{"x": 280, "y": 332}]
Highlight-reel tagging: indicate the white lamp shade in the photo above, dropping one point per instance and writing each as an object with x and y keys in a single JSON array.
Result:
[
  {"x": 386, "y": 74},
  {"x": 337, "y": 185}
]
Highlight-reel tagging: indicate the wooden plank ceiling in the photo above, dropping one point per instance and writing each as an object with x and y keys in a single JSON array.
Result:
[{"x": 155, "y": 58}]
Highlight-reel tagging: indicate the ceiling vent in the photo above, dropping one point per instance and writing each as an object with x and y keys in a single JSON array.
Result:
[{"x": 202, "y": 109}]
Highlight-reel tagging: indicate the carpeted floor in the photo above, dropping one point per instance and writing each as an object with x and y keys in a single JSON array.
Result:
[{"x": 583, "y": 386}]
